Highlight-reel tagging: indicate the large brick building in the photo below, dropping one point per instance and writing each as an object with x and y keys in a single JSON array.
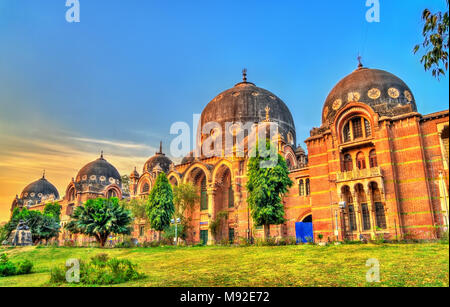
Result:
[{"x": 374, "y": 167}]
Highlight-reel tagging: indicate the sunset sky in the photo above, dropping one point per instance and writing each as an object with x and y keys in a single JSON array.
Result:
[{"x": 117, "y": 80}]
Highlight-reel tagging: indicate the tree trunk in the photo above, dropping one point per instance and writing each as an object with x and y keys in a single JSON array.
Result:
[
  {"x": 266, "y": 232},
  {"x": 159, "y": 236}
]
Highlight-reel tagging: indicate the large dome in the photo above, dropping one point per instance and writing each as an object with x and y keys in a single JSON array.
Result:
[
  {"x": 100, "y": 171},
  {"x": 246, "y": 102},
  {"x": 39, "y": 189},
  {"x": 387, "y": 94}
]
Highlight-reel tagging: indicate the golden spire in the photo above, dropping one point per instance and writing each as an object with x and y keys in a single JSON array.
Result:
[
  {"x": 267, "y": 114},
  {"x": 244, "y": 74}
]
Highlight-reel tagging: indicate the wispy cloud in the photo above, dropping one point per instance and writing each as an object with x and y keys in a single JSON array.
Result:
[{"x": 112, "y": 143}]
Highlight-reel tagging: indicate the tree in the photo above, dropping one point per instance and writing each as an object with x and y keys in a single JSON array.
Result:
[
  {"x": 125, "y": 184},
  {"x": 185, "y": 196},
  {"x": 160, "y": 207},
  {"x": 53, "y": 210},
  {"x": 42, "y": 226},
  {"x": 266, "y": 186},
  {"x": 435, "y": 44},
  {"x": 136, "y": 206},
  {"x": 99, "y": 218}
]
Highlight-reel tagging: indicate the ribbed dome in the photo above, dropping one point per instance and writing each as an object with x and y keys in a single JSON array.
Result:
[
  {"x": 387, "y": 94},
  {"x": 158, "y": 159},
  {"x": 38, "y": 189},
  {"x": 100, "y": 171},
  {"x": 246, "y": 102}
]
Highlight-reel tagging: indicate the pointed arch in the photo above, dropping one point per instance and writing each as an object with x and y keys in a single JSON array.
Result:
[{"x": 194, "y": 166}]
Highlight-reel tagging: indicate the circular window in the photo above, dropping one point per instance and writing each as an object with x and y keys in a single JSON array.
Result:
[
  {"x": 337, "y": 104},
  {"x": 40, "y": 195},
  {"x": 393, "y": 92},
  {"x": 325, "y": 112},
  {"x": 84, "y": 177},
  {"x": 374, "y": 93},
  {"x": 102, "y": 178},
  {"x": 93, "y": 177},
  {"x": 32, "y": 194},
  {"x": 408, "y": 96},
  {"x": 111, "y": 180},
  {"x": 353, "y": 96}
]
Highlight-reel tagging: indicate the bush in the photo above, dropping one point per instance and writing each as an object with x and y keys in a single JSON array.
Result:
[
  {"x": 24, "y": 267},
  {"x": 8, "y": 268},
  {"x": 444, "y": 238},
  {"x": 57, "y": 275},
  {"x": 101, "y": 270}
]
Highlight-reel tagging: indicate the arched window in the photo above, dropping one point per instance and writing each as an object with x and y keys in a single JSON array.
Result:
[
  {"x": 301, "y": 188},
  {"x": 111, "y": 193},
  {"x": 145, "y": 188},
  {"x": 351, "y": 217},
  {"x": 203, "y": 195},
  {"x": 348, "y": 163},
  {"x": 71, "y": 195},
  {"x": 380, "y": 216},
  {"x": 360, "y": 160},
  {"x": 373, "y": 158},
  {"x": 347, "y": 133},
  {"x": 230, "y": 197},
  {"x": 307, "y": 187},
  {"x": 356, "y": 128}
]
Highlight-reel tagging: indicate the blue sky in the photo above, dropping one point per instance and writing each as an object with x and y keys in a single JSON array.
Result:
[{"x": 118, "y": 79}]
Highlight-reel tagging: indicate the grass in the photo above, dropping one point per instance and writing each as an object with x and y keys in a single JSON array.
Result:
[{"x": 303, "y": 265}]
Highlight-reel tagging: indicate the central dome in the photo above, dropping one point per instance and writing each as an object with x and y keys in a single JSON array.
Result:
[
  {"x": 100, "y": 171},
  {"x": 246, "y": 102}
]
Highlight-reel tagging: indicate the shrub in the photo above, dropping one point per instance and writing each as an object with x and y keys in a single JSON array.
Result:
[
  {"x": 444, "y": 238},
  {"x": 101, "y": 270},
  {"x": 57, "y": 275},
  {"x": 24, "y": 267},
  {"x": 8, "y": 268}
]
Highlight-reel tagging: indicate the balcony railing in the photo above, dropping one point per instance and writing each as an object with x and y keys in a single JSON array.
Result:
[{"x": 357, "y": 174}]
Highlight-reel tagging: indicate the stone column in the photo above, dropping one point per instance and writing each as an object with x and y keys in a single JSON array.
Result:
[
  {"x": 211, "y": 191},
  {"x": 357, "y": 214},
  {"x": 371, "y": 207}
]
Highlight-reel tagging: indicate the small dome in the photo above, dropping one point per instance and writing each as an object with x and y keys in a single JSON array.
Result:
[
  {"x": 387, "y": 94},
  {"x": 39, "y": 189},
  {"x": 134, "y": 174},
  {"x": 188, "y": 159},
  {"x": 158, "y": 159},
  {"x": 246, "y": 102},
  {"x": 100, "y": 171},
  {"x": 299, "y": 151}
]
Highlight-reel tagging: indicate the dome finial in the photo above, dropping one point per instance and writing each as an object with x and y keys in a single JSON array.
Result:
[
  {"x": 160, "y": 147},
  {"x": 244, "y": 74},
  {"x": 360, "y": 65},
  {"x": 43, "y": 174},
  {"x": 101, "y": 154}
]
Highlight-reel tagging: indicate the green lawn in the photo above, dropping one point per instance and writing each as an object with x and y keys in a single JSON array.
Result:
[{"x": 304, "y": 265}]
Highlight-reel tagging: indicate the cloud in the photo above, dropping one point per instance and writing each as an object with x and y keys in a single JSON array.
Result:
[{"x": 112, "y": 143}]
